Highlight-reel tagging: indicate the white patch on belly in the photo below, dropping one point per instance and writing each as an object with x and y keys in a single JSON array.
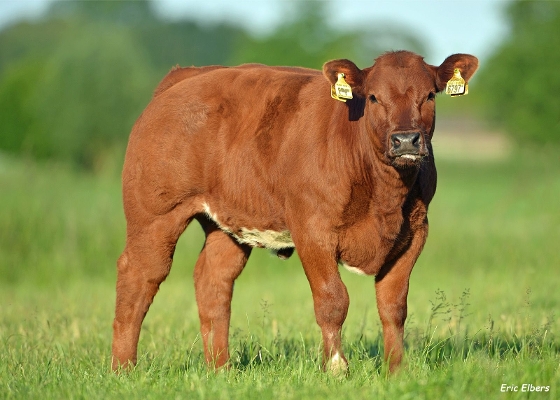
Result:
[
  {"x": 352, "y": 269},
  {"x": 253, "y": 237},
  {"x": 270, "y": 239}
]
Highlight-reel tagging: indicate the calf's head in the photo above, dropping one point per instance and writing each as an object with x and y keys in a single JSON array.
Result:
[{"x": 398, "y": 93}]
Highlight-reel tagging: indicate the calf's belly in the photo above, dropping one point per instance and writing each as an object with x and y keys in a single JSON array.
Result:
[{"x": 254, "y": 237}]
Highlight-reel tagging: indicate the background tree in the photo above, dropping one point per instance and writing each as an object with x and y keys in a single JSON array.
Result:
[
  {"x": 520, "y": 83},
  {"x": 77, "y": 102},
  {"x": 72, "y": 84}
]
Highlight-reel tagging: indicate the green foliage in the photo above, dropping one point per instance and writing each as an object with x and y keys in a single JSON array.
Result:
[
  {"x": 71, "y": 86},
  {"x": 78, "y": 102},
  {"x": 18, "y": 117},
  {"x": 110, "y": 11},
  {"x": 520, "y": 81}
]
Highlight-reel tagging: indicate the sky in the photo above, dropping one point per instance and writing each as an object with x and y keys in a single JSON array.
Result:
[{"x": 445, "y": 26}]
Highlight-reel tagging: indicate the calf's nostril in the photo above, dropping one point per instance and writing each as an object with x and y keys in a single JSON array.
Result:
[
  {"x": 416, "y": 140},
  {"x": 396, "y": 141}
]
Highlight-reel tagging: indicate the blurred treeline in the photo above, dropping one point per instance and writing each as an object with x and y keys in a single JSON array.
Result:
[
  {"x": 520, "y": 83},
  {"x": 72, "y": 83}
]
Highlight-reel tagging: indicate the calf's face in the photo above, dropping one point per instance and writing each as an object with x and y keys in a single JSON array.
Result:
[{"x": 398, "y": 96}]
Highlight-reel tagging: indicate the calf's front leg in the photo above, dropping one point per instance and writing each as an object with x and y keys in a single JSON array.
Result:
[
  {"x": 330, "y": 300},
  {"x": 391, "y": 288}
]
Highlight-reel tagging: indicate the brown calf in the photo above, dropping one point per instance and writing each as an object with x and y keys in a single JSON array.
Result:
[{"x": 264, "y": 157}]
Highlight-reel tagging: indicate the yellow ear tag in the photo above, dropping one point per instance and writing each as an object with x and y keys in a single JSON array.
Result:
[
  {"x": 341, "y": 89},
  {"x": 457, "y": 86}
]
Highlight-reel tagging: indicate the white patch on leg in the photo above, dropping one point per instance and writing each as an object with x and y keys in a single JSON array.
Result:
[{"x": 338, "y": 365}]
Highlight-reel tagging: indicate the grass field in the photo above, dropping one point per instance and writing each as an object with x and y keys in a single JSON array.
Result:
[{"x": 482, "y": 306}]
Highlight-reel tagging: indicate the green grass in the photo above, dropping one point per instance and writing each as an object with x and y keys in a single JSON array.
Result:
[{"x": 482, "y": 303}]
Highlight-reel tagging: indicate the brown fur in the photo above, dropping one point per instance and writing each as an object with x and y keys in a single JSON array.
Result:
[{"x": 267, "y": 148}]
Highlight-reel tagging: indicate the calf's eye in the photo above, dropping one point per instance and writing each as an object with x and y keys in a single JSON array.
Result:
[
  {"x": 431, "y": 96},
  {"x": 372, "y": 98}
]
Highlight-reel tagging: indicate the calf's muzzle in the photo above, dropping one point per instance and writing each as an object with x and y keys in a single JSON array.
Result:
[{"x": 407, "y": 143}]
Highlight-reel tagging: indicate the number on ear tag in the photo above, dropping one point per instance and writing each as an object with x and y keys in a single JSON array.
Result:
[
  {"x": 341, "y": 90},
  {"x": 457, "y": 86}
]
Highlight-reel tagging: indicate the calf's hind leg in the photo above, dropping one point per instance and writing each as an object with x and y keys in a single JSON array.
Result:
[
  {"x": 220, "y": 262},
  {"x": 141, "y": 268}
]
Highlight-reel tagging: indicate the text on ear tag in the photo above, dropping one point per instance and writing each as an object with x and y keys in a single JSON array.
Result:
[
  {"x": 457, "y": 86},
  {"x": 341, "y": 90}
]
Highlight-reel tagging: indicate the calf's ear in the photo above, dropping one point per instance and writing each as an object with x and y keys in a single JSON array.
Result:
[
  {"x": 352, "y": 74},
  {"x": 466, "y": 63}
]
